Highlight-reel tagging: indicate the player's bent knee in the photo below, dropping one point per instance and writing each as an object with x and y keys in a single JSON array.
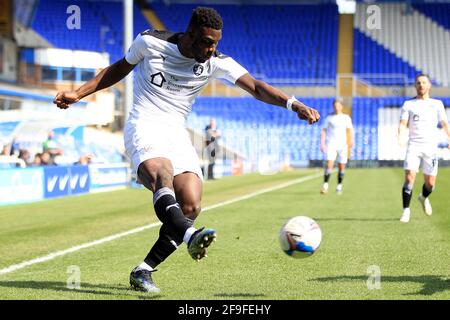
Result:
[{"x": 191, "y": 210}]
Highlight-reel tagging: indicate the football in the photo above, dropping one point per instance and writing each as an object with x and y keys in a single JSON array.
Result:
[{"x": 300, "y": 237}]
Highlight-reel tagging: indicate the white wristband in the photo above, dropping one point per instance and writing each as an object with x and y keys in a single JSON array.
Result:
[{"x": 290, "y": 102}]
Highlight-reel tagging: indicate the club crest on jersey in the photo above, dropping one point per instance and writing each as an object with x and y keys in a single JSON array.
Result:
[
  {"x": 416, "y": 117},
  {"x": 198, "y": 69}
]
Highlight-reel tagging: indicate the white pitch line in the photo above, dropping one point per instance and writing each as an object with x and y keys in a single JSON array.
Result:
[{"x": 54, "y": 255}]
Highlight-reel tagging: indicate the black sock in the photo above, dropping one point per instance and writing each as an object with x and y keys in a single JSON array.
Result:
[
  {"x": 406, "y": 195},
  {"x": 326, "y": 176},
  {"x": 169, "y": 212},
  {"x": 340, "y": 176},
  {"x": 166, "y": 244},
  {"x": 425, "y": 191}
]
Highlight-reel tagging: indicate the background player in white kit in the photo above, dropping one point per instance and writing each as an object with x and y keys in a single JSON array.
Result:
[
  {"x": 421, "y": 116},
  {"x": 333, "y": 142},
  {"x": 173, "y": 68}
]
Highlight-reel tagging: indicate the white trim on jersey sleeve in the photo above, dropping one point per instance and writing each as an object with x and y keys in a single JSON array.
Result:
[
  {"x": 229, "y": 69},
  {"x": 404, "y": 114},
  {"x": 137, "y": 50}
]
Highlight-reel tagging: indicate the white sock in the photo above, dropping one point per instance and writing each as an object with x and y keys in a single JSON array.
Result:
[
  {"x": 188, "y": 234},
  {"x": 145, "y": 266}
]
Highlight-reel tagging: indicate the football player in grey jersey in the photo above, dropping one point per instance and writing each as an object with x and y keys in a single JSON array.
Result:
[{"x": 172, "y": 70}]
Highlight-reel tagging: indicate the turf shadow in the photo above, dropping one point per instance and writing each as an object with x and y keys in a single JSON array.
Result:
[
  {"x": 431, "y": 284},
  {"x": 239, "y": 295},
  {"x": 151, "y": 297},
  {"x": 87, "y": 288}
]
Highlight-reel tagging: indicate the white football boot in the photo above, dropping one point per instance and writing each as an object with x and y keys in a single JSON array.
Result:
[
  {"x": 406, "y": 215},
  {"x": 339, "y": 189},
  {"x": 324, "y": 188},
  {"x": 426, "y": 205}
]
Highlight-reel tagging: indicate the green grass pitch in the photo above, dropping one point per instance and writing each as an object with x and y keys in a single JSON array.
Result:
[{"x": 361, "y": 229}]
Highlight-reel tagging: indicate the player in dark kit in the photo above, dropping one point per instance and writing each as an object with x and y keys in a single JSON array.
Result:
[{"x": 173, "y": 68}]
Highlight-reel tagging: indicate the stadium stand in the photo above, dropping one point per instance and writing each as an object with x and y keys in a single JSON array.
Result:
[
  {"x": 256, "y": 37},
  {"x": 438, "y": 12},
  {"x": 268, "y": 130},
  {"x": 407, "y": 35},
  {"x": 101, "y": 29},
  {"x": 75, "y": 141},
  {"x": 372, "y": 58},
  {"x": 306, "y": 53},
  {"x": 257, "y": 130}
]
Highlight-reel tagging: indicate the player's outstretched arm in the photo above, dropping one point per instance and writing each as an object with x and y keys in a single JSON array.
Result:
[
  {"x": 106, "y": 78},
  {"x": 268, "y": 94}
]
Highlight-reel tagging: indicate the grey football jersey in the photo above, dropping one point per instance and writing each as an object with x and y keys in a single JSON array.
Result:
[{"x": 166, "y": 82}]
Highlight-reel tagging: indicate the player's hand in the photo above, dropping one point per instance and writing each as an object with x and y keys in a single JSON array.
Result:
[
  {"x": 65, "y": 98},
  {"x": 306, "y": 113},
  {"x": 323, "y": 148}
]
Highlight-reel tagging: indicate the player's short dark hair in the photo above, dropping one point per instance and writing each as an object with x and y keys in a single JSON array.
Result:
[
  {"x": 422, "y": 75},
  {"x": 206, "y": 17}
]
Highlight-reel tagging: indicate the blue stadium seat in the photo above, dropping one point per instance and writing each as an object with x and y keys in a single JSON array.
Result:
[
  {"x": 246, "y": 131},
  {"x": 269, "y": 129},
  {"x": 371, "y": 58},
  {"x": 438, "y": 12},
  {"x": 256, "y": 37},
  {"x": 101, "y": 25}
]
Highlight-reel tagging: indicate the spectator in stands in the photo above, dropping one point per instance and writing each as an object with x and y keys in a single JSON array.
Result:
[
  {"x": 14, "y": 147},
  {"x": 46, "y": 159},
  {"x": 84, "y": 160},
  {"x": 6, "y": 149},
  {"x": 211, "y": 145},
  {"x": 51, "y": 146},
  {"x": 25, "y": 156},
  {"x": 37, "y": 161},
  {"x": 10, "y": 161}
]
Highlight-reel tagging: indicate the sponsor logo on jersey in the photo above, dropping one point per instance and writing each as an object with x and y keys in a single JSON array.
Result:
[
  {"x": 157, "y": 79},
  {"x": 416, "y": 117}
]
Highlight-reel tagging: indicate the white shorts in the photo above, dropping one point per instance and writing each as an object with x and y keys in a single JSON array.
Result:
[
  {"x": 145, "y": 141},
  {"x": 416, "y": 154},
  {"x": 338, "y": 154}
]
